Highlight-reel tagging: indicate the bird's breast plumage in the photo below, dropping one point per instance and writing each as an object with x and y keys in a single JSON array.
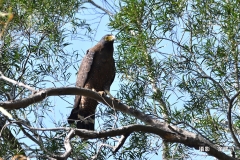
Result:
[{"x": 102, "y": 71}]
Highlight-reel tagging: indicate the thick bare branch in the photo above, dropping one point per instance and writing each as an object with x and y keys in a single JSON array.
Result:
[
  {"x": 166, "y": 131},
  {"x": 191, "y": 140}
]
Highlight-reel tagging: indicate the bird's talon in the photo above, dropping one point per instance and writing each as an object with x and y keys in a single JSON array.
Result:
[
  {"x": 102, "y": 93},
  {"x": 115, "y": 99}
]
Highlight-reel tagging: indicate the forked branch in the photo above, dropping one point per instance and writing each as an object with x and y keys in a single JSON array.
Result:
[{"x": 169, "y": 133}]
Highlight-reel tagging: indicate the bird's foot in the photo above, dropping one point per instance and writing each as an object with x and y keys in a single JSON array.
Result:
[
  {"x": 106, "y": 92},
  {"x": 115, "y": 99},
  {"x": 102, "y": 93}
]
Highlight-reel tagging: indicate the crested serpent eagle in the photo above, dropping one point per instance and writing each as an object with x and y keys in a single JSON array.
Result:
[{"x": 96, "y": 72}]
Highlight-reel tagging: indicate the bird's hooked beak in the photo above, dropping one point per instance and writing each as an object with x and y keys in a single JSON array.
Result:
[{"x": 110, "y": 38}]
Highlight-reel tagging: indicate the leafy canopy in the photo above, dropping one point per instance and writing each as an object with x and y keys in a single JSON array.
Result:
[{"x": 177, "y": 61}]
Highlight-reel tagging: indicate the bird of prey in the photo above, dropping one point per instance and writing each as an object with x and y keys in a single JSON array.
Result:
[{"x": 96, "y": 72}]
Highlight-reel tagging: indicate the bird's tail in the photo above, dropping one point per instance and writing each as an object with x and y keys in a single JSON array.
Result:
[
  {"x": 73, "y": 116},
  {"x": 85, "y": 120}
]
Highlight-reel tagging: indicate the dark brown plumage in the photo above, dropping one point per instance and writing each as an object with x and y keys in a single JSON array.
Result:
[{"x": 97, "y": 71}]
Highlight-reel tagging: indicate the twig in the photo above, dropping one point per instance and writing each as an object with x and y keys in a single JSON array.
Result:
[
  {"x": 114, "y": 149},
  {"x": 38, "y": 141},
  {"x": 95, "y": 157},
  {"x": 120, "y": 142},
  {"x": 229, "y": 117},
  {"x": 6, "y": 134},
  {"x": 20, "y": 84},
  {"x": 215, "y": 82},
  {"x": 99, "y": 7},
  {"x": 203, "y": 74}
]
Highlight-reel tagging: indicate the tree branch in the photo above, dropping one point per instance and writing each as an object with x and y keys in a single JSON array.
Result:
[
  {"x": 192, "y": 140},
  {"x": 215, "y": 82},
  {"x": 95, "y": 157},
  {"x": 229, "y": 117},
  {"x": 7, "y": 135},
  {"x": 121, "y": 141},
  {"x": 20, "y": 84},
  {"x": 166, "y": 131},
  {"x": 99, "y": 7},
  {"x": 39, "y": 142}
]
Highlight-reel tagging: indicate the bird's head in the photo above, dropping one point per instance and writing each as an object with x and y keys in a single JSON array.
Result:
[{"x": 108, "y": 38}]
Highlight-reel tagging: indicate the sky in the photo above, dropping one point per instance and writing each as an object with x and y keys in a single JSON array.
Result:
[
  {"x": 63, "y": 107},
  {"x": 81, "y": 46}
]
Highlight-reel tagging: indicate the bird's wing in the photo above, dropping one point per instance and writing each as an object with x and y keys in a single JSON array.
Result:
[
  {"x": 85, "y": 68},
  {"x": 83, "y": 71},
  {"x": 113, "y": 76}
]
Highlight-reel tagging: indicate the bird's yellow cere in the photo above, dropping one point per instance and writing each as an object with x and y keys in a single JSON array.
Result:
[{"x": 110, "y": 38}]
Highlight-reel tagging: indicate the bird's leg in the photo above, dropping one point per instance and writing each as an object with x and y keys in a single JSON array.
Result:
[
  {"x": 102, "y": 93},
  {"x": 109, "y": 94},
  {"x": 106, "y": 92}
]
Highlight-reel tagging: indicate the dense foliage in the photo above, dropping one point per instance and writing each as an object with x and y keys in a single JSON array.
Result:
[{"x": 177, "y": 61}]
